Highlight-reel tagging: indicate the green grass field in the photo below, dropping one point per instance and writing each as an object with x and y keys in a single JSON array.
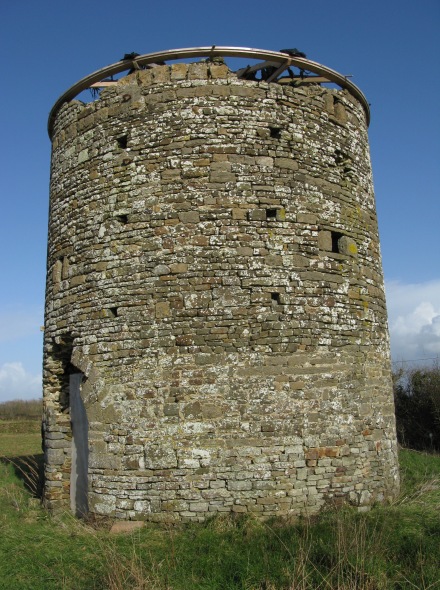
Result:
[
  {"x": 394, "y": 547},
  {"x": 20, "y": 437}
]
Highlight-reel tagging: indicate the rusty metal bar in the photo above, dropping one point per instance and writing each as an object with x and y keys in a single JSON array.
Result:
[
  {"x": 273, "y": 77},
  {"x": 303, "y": 80},
  {"x": 104, "y": 84},
  {"x": 255, "y": 68}
]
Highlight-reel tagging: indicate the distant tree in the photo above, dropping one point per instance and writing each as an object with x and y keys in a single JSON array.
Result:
[{"x": 417, "y": 400}]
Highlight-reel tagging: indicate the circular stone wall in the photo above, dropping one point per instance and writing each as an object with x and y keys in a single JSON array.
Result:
[{"x": 214, "y": 275}]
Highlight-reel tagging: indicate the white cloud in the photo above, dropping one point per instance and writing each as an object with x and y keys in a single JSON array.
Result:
[
  {"x": 414, "y": 319},
  {"x": 17, "y": 383}
]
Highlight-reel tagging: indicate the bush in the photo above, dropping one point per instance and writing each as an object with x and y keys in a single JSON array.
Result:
[
  {"x": 20, "y": 409},
  {"x": 417, "y": 400}
]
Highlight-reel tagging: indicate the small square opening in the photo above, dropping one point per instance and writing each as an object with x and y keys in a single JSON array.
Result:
[
  {"x": 335, "y": 239},
  {"x": 113, "y": 312},
  {"x": 275, "y": 297},
  {"x": 275, "y": 132},
  {"x": 122, "y": 141},
  {"x": 271, "y": 213},
  {"x": 122, "y": 219}
]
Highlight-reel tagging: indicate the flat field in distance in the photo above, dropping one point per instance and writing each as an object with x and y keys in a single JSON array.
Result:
[{"x": 20, "y": 437}]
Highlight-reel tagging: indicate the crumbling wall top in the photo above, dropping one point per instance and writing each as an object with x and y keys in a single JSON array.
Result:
[{"x": 276, "y": 62}]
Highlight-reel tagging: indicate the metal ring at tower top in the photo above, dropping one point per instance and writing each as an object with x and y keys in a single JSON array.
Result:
[{"x": 139, "y": 61}]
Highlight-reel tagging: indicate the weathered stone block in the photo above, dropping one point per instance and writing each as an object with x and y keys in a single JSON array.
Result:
[
  {"x": 239, "y": 485},
  {"x": 179, "y": 71},
  {"x": 162, "y": 456},
  {"x": 55, "y": 456},
  {"x": 222, "y": 177},
  {"x": 161, "y": 75},
  {"x": 286, "y": 163},
  {"x": 220, "y": 71},
  {"x": 325, "y": 240},
  {"x": 197, "y": 71},
  {"x": 257, "y": 215},
  {"x": 100, "y": 461},
  {"x": 189, "y": 217},
  {"x": 347, "y": 245},
  {"x": 161, "y": 269},
  {"x": 162, "y": 310}
]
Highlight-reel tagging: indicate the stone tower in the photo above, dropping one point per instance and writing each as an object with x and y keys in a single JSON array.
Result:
[{"x": 216, "y": 330}]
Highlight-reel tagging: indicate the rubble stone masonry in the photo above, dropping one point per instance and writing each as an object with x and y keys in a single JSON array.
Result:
[{"x": 214, "y": 273}]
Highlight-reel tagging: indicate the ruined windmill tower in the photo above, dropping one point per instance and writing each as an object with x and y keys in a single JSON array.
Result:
[{"x": 216, "y": 335}]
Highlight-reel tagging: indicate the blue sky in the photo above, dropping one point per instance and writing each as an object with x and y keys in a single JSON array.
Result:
[{"x": 391, "y": 48}]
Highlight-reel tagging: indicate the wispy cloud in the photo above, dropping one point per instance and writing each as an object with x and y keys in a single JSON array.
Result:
[
  {"x": 414, "y": 319},
  {"x": 17, "y": 383}
]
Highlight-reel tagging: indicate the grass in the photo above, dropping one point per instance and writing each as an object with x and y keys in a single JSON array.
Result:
[
  {"x": 20, "y": 437},
  {"x": 394, "y": 547}
]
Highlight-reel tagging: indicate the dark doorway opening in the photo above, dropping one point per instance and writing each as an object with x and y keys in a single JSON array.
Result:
[{"x": 80, "y": 447}]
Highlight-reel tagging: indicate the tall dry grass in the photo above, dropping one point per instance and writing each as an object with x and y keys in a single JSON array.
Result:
[{"x": 389, "y": 548}]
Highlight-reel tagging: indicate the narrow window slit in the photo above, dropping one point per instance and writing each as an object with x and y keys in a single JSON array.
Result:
[
  {"x": 335, "y": 241},
  {"x": 275, "y": 298},
  {"x": 60, "y": 269},
  {"x": 275, "y": 132},
  {"x": 63, "y": 368},
  {"x": 122, "y": 142},
  {"x": 340, "y": 157},
  {"x": 57, "y": 270}
]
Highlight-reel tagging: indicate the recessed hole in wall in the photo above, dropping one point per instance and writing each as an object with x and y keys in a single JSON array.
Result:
[
  {"x": 113, "y": 311},
  {"x": 60, "y": 269},
  {"x": 335, "y": 239},
  {"x": 62, "y": 368},
  {"x": 122, "y": 218},
  {"x": 275, "y": 297},
  {"x": 271, "y": 213},
  {"x": 65, "y": 268},
  {"x": 344, "y": 161},
  {"x": 57, "y": 270},
  {"x": 122, "y": 141},
  {"x": 339, "y": 110},
  {"x": 340, "y": 157},
  {"x": 275, "y": 132}
]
